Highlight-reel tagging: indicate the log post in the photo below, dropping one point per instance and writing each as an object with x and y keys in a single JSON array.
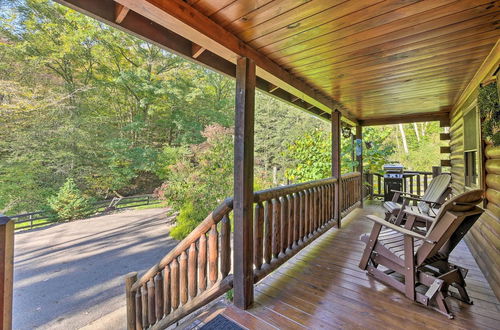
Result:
[
  {"x": 130, "y": 279},
  {"x": 336, "y": 164},
  {"x": 243, "y": 182},
  {"x": 359, "y": 159},
  {"x": 6, "y": 271}
]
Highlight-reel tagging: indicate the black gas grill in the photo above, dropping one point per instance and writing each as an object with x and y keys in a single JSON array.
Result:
[{"x": 393, "y": 180}]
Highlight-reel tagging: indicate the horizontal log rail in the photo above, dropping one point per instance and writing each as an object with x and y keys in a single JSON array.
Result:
[{"x": 199, "y": 268}]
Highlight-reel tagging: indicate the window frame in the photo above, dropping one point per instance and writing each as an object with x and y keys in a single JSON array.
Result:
[{"x": 473, "y": 181}]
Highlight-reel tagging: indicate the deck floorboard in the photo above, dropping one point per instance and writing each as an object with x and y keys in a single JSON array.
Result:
[{"x": 323, "y": 288}]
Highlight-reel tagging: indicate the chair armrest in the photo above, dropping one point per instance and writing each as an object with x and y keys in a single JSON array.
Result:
[
  {"x": 404, "y": 193},
  {"x": 419, "y": 215},
  {"x": 421, "y": 200},
  {"x": 398, "y": 228}
]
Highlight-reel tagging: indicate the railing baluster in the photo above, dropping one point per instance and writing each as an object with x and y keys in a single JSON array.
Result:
[
  {"x": 302, "y": 214},
  {"x": 174, "y": 284},
  {"x": 213, "y": 255},
  {"x": 167, "y": 298},
  {"x": 144, "y": 298},
  {"x": 192, "y": 263},
  {"x": 183, "y": 277},
  {"x": 138, "y": 309},
  {"x": 311, "y": 212},
  {"x": 296, "y": 221},
  {"x": 306, "y": 215},
  {"x": 258, "y": 235},
  {"x": 202, "y": 263},
  {"x": 225, "y": 249},
  {"x": 283, "y": 224},
  {"x": 151, "y": 303},
  {"x": 268, "y": 232},
  {"x": 290, "y": 221},
  {"x": 418, "y": 184},
  {"x": 276, "y": 227},
  {"x": 159, "y": 296}
]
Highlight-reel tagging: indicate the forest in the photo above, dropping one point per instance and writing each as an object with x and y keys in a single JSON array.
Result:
[{"x": 91, "y": 112}]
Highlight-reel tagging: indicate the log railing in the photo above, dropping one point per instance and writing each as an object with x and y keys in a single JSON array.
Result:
[
  {"x": 195, "y": 272},
  {"x": 198, "y": 269},
  {"x": 288, "y": 218},
  {"x": 351, "y": 192}
]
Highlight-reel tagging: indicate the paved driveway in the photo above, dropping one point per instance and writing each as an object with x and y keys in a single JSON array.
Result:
[{"x": 68, "y": 275}]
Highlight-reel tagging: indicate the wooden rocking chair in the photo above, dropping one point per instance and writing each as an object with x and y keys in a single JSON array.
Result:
[
  {"x": 418, "y": 265},
  {"x": 434, "y": 196}
]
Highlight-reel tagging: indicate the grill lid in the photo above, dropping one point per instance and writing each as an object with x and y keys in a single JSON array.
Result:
[{"x": 393, "y": 167}]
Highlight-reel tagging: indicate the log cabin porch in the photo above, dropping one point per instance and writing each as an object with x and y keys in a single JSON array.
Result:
[
  {"x": 322, "y": 287},
  {"x": 293, "y": 258}
]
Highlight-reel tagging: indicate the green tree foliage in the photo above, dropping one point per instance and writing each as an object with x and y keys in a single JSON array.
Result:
[
  {"x": 80, "y": 99},
  {"x": 200, "y": 179},
  {"x": 69, "y": 203}
]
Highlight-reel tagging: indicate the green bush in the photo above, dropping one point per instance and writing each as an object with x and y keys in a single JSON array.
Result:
[
  {"x": 70, "y": 203},
  {"x": 189, "y": 217}
]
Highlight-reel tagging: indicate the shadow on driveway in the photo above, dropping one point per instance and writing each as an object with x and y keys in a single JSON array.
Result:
[{"x": 70, "y": 274}]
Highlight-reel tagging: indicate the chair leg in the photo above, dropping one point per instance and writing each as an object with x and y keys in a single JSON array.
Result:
[
  {"x": 370, "y": 245},
  {"x": 409, "y": 268},
  {"x": 442, "y": 305}
]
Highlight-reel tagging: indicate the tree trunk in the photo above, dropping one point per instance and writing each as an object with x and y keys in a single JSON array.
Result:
[
  {"x": 416, "y": 131},
  {"x": 403, "y": 138}
]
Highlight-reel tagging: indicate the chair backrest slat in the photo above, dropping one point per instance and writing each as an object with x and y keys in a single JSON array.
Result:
[
  {"x": 454, "y": 219},
  {"x": 434, "y": 192}
]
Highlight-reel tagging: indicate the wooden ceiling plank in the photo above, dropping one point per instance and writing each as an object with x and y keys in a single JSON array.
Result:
[
  {"x": 210, "y": 7},
  {"x": 183, "y": 19},
  {"x": 237, "y": 10},
  {"x": 359, "y": 26},
  {"x": 267, "y": 12},
  {"x": 442, "y": 74},
  {"x": 288, "y": 20},
  {"x": 431, "y": 29},
  {"x": 442, "y": 61},
  {"x": 485, "y": 39},
  {"x": 490, "y": 64},
  {"x": 298, "y": 24},
  {"x": 392, "y": 48}
]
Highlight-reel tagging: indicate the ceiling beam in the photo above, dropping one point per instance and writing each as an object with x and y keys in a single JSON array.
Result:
[
  {"x": 141, "y": 27},
  {"x": 197, "y": 50},
  {"x": 442, "y": 117},
  {"x": 181, "y": 18},
  {"x": 120, "y": 12}
]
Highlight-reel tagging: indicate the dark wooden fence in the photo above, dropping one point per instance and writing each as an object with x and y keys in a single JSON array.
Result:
[
  {"x": 42, "y": 218},
  {"x": 199, "y": 268}
]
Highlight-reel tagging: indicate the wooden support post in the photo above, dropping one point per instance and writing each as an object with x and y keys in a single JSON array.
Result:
[
  {"x": 359, "y": 159},
  {"x": 243, "y": 182},
  {"x": 336, "y": 163},
  {"x": 6, "y": 271},
  {"x": 436, "y": 170},
  {"x": 130, "y": 279}
]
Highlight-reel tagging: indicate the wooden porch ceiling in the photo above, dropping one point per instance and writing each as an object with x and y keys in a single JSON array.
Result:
[{"x": 375, "y": 60}]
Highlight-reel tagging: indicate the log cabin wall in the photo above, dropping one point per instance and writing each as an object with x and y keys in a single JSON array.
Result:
[{"x": 484, "y": 238}]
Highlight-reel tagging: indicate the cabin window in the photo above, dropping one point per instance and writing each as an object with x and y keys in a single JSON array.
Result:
[{"x": 471, "y": 146}]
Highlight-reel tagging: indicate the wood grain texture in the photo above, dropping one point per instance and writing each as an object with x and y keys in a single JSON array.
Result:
[
  {"x": 320, "y": 289},
  {"x": 6, "y": 271}
]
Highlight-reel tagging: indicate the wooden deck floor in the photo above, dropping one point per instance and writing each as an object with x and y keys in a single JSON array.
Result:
[{"x": 322, "y": 287}]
